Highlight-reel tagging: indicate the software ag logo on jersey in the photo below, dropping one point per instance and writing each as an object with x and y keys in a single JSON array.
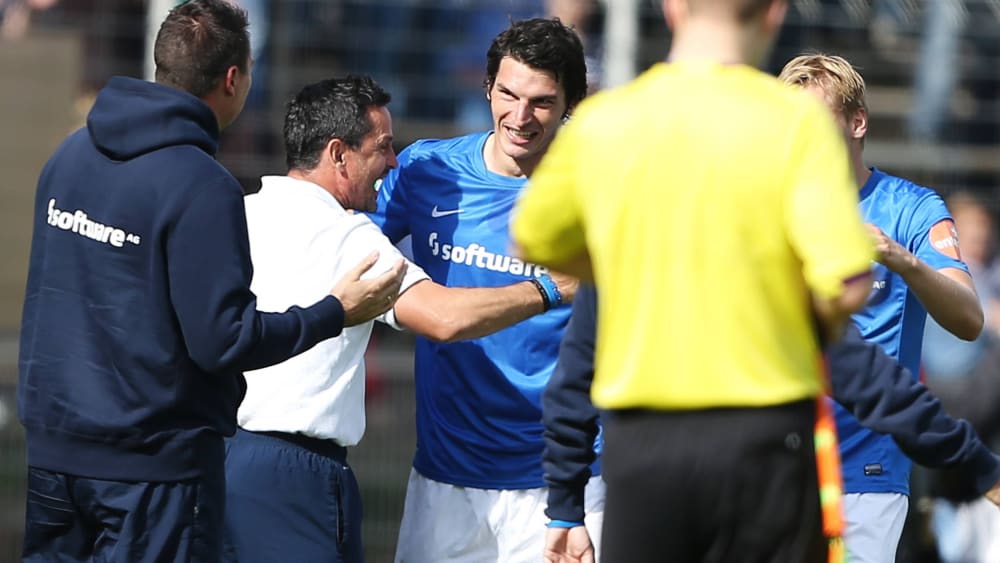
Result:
[{"x": 478, "y": 256}]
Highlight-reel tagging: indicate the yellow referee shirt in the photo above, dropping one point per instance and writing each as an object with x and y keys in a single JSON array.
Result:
[{"x": 712, "y": 199}]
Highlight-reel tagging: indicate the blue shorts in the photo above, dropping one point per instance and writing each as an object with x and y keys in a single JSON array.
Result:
[
  {"x": 71, "y": 518},
  {"x": 290, "y": 498}
]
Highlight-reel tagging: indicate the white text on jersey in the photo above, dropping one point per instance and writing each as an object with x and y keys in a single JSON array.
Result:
[
  {"x": 477, "y": 255},
  {"x": 77, "y": 222}
]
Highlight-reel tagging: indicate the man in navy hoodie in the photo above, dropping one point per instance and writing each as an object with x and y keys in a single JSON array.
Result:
[
  {"x": 138, "y": 318},
  {"x": 879, "y": 392}
]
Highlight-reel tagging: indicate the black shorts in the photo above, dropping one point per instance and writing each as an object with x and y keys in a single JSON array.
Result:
[{"x": 718, "y": 485}]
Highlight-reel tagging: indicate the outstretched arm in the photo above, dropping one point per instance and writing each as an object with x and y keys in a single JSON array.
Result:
[
  {"x": 884, "y": 397},
  {"x": 447, "y": 314}
]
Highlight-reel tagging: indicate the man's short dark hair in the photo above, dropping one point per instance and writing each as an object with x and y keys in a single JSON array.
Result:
[
  {"x": 336, "y": 108},
  {"x": 198, "y": 42},
  {"x": 543, "y": 44}
]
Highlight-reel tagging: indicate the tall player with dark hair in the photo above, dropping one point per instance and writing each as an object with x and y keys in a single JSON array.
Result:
[{"x": 476, "y": 492}]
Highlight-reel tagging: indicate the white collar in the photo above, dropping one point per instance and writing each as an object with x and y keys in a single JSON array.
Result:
[{"x": 285, "y": 186}]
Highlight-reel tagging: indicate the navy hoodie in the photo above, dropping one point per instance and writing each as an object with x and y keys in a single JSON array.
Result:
[
  {"x": 138, "y": 318},
  {"x": 872, "y": 386}
]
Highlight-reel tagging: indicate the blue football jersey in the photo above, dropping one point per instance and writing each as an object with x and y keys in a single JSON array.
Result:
[
  {"x": 892, "y": 318},
  {"x": 478, "y": 401}
]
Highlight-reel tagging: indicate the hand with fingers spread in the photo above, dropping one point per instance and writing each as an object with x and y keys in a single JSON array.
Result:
[{"x": 363, "y": 300}]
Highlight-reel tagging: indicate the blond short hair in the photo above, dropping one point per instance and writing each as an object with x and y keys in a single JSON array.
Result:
[{"x": 837, "y": 77}]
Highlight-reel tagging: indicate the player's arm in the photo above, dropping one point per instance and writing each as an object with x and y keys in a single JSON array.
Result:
[
  {"x": 884, "y": 397},
  {"x": 571, "y": 426},
  {"x": 222, "y": 328},
  {"x": 950, "y": 299},
  {"x": 447, "y": 314},
  {"x": 948, "y": 294}
]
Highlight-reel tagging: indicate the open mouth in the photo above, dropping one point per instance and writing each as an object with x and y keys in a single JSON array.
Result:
[{"x": 519, "y": 136}]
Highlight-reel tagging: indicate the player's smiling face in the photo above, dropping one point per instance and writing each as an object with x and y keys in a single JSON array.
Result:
[{"x": 527, "y": 105}]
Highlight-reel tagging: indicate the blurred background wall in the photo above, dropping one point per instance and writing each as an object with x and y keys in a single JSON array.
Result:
[{"x": 932, "y": 67}]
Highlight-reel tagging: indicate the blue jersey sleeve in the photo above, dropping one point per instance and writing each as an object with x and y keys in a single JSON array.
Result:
[
  {"x": 391, "y": 214},
  {"x": 931, "y": 234}
]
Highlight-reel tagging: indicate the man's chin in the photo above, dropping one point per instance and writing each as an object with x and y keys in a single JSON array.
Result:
[{"x": 519, "y": 152}]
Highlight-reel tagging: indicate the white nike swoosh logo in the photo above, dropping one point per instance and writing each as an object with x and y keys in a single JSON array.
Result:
[{"x": 435, "y": 213}]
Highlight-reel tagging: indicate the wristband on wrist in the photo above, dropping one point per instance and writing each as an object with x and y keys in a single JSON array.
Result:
[
  {"x": 551, "y": 290},
  {"x": 563, "y": 524},
  {"x": 546, "y": 303}
]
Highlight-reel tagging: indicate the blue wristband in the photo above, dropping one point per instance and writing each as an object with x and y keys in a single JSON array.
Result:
[
  {"x": 551, "y": 290},
  {"x": 563, "y": 524}
]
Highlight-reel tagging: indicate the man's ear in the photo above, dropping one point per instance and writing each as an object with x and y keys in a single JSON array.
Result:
[
  {"x": 335, "y": 153},
  {"x": 229, "y": 83},
  {"x": 858, "y": 124}
]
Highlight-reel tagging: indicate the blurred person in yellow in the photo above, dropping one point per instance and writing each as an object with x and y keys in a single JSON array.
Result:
[
  {"x": 919, "y": 272},
  {"x": 718, "y": 218}
]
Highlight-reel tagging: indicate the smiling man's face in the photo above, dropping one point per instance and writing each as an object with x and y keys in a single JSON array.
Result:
[{"x": 527, "y": 105}]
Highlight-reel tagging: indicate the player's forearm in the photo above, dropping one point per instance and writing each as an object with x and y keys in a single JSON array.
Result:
[
  {"x": 949, "y": 297},
  {"x": 448, "y": 314}
]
